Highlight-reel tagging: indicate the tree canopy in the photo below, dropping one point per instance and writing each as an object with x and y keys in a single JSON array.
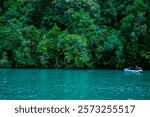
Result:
[{"x": 74, "y": 33}]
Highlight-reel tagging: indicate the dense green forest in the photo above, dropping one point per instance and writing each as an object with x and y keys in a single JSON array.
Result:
[{"x": 74, "y": 33}]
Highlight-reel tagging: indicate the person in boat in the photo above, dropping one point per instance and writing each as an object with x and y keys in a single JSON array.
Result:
[
  {"x": 136, "y": 68},
  {"x": 140, "y": 68},
  {"x": 130, "y": 68}
]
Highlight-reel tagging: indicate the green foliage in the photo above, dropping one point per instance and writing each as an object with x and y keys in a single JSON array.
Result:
[
  {"x": 4, "y": 61},
  {"x": 46, "y": 48},
  {"x": 134, "y": 28},
  {"x": 10, "y": 35},
  {"x": 25, "y": 55},
  {"x": 19, "y": 43},
  {"x": 74, "y": 33},
  {"x": 61, "y": 10},
  {"x": 73, "y": 51},
  {"x": 110, "y": 51},
  {"x": 80, "y": 22}
]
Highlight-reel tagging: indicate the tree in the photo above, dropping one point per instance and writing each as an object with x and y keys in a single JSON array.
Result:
[
  {"x": 73, "y": 51},
  {"x": 4, "y": 61},
  {"x": 109, "y": 53},
  {"x": 19, "y": 42},
  {"x": 25, "y": 54},
  {"x": 74, "y": 33},
  {"x": 10, "y": 36},
  {"x": 47, "y": 48},
  {"x": 134, "y": 29}
]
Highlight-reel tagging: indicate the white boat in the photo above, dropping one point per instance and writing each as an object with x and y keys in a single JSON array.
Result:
[{"x": 133, "y": 71}]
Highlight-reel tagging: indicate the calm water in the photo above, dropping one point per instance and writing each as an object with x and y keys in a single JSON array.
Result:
[{"x": 73, "y": 84}]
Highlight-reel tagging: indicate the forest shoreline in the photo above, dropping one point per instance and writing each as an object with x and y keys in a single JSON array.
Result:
[
  {"x": 64, "y": 68},
  {"x": 81, "y": 34}
]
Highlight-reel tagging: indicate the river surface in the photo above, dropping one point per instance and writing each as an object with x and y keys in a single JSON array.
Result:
[{"x": 49, "y": 84}]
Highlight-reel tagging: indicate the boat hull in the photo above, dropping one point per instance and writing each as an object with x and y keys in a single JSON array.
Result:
[{"x": 133, "y": 71}]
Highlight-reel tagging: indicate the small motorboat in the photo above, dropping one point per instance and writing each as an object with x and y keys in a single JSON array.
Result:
[{"x": 133, "y": 71}]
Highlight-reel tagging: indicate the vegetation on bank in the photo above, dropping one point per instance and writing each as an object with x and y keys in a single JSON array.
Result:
[{"x": 74, "y": 33}]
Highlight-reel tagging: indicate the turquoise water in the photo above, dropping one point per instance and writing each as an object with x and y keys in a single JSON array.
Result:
[{"x": 73, "y": 84}]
